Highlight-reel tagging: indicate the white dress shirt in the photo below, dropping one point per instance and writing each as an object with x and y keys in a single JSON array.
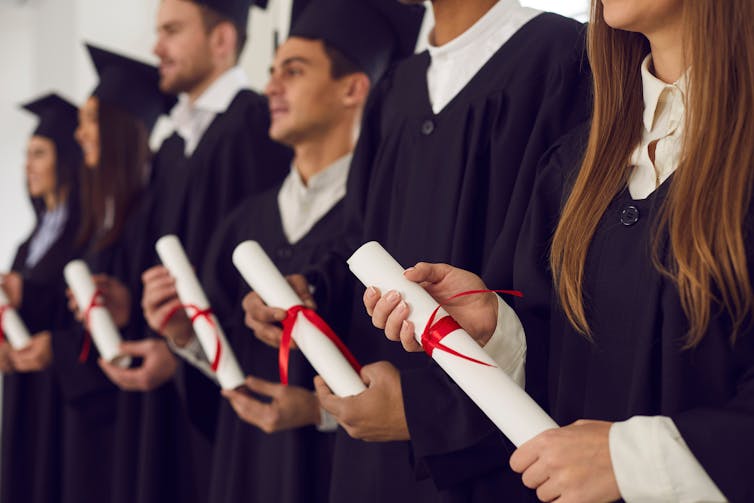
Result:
[
  {"x": 664, "y": 111},
  {"x": 303, "y": 205},
  {"x": 53, "y": 223},
  {"x": 191, "y": 120},
  {"x": 454, "y": 64}
]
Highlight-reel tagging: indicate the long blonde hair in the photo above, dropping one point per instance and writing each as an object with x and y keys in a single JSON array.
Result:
[{"x": 709, "y": 198}]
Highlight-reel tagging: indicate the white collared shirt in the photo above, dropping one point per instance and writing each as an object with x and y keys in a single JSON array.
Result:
[
  {"x": 664, "y": 113},
  {"x": 303, "y": 205},
  {"x": 454, "y": 64},
  {"x": 50, "y": 229},
  {"x": 192, "y": 120}
]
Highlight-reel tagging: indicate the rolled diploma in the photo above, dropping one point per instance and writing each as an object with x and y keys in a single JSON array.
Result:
[
  {"x": 171, "y": 254},
  {"x": 262, "y": 275},
  {"x": 13, "y": 326},
  {"x": 105, "y": 334},
  {"x": 509, "y": 407}
]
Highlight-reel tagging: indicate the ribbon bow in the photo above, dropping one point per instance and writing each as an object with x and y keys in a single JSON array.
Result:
[
  {"x": 285, "y": 342},
  {"x": 196, "y": 313},
  {"x": 435, "y": 331},
  {"x": 86, "y": 346}
]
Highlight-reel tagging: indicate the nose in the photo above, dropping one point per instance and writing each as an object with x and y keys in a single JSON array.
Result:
[{"x": 273, "y": 87}]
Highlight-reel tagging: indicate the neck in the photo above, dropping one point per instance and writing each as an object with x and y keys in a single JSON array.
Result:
[
  {"x": 668, "y": 58},
  {"x": 454, "y": 17},
  {"x": 195, "y": 92},
  {"x": 51, "y": 201},
  {"x": 316, "y": 155}
]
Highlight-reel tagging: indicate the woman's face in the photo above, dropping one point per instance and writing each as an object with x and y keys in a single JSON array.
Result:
[
  {"x": 87, "y": 134},
  {"x": 642, "y": 16},
  {"x": 41, "y": 175}
]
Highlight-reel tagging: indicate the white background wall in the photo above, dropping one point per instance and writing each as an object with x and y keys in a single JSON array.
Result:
[{"x": 41, "y": 50}]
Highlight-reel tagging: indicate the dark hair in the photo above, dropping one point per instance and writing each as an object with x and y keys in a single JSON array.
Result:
[
  {"x": 211, "y": 19},
  {"x": 120, "y": 175},
  {"x": 340, "y": 64}
]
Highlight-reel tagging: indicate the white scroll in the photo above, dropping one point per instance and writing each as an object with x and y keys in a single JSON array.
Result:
[
  {"x": 105, "y": 334},
  {"x": 509, "y": 407},
  {"x": 207, "y": 328},
  {"x": 14, "y": 329},
  {"x": 262, "y": 275}
]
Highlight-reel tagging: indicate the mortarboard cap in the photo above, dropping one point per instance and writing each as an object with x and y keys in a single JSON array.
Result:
[
  {"x": 58, "y": 119},
  {"x": 130, "y": 85},
  {"x": 371, "y": 33},
  {"x": 235, "y": 10}
]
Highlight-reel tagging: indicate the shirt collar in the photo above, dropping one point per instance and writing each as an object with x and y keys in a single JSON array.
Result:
[
  {"x": 502, "y": 12},
  {"x": 653, "y": 88},
  {"x": 216, "y": 98},
  {"x": 332, "y": 176}
]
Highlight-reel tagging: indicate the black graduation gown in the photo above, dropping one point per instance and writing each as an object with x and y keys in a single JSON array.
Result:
[
  {"x": 89, "y": 411},
  {"x": 248, "y": 464},
  {"x": 31, "y": 406},
  {"x": 190, "y": 197},
  {"x": 153, "y": 462},
  {"x": 636, "y": 364},
  {"x": 446, "y": 187}
]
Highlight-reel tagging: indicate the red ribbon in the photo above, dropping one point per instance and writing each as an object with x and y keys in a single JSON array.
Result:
[
  {"x": 285, "y": 342},
  {"x": 3, "y": 309},
  {"x": 86, "y": 346},
  {"x": 198, "y": 312},
  {"x": 435, "y": 332}
]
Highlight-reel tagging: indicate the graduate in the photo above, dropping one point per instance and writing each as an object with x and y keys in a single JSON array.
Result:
[
  {"x": 31, "y": 392},
  {"x": 646, "y": 220},
  {"x": 444, "y": 169},
  {"x": 113, "y": 131},
  {"x": 317, "y": 95},
  {"x": 219, "y": 152}
]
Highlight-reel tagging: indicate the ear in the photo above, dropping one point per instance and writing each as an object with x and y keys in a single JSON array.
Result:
[
  {"x": 356, "y": 89},
  {"x": 222, "y": 40}
]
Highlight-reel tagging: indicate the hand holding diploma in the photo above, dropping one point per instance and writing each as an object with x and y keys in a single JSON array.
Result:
[
  {"x": 12, "y": 326},
  {"x": 321, "y": 347},
  {"x": 514, "y": 412},
  {"x": 264, "y": 320},
  {"x": 289, "y": 407},
  {"x": 196, "y": 306},
  {"x": 94, "y": 315}
]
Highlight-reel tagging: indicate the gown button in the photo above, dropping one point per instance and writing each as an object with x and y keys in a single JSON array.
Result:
[
  {"x": 285, "y": 253},
  {"x": 428, "y": 127},
  {"x": 629, "y": 215}
]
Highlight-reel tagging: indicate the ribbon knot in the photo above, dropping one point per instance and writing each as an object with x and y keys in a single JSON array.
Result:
[
  {"x": 435, "y": 331},
  {"x": 285, "y": 342},
  {"x": 86, "y": 345},
  {"x": 195, "y": 312}
]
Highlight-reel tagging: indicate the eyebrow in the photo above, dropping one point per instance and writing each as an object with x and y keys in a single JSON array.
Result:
[{"x": 289, "y": 61}]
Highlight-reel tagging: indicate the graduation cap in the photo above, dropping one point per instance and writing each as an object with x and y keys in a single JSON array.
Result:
[
  {"x": 58, "y": 119},
  {"x": 235, "y": 10},
  {"x": 130, "y": 85},
  {"x": 370, "y": 33}
]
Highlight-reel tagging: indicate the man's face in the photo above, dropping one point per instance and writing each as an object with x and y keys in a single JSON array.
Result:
[
  {"x": 305, "y": 101},
  {"x": 182, "y": 46}
]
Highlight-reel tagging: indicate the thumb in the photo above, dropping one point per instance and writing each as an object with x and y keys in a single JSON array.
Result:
[
  {"x": 136, "y": 348},
  {"x": 262, "y": 387},
  {"x": 426, "y": 272}
]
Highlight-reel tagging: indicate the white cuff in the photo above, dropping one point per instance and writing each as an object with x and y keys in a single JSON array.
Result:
[
  {"x": 507, "y": 346},
  {"x": 194, "y": 355},
  {"x": 327, "y": 422},
  {"x": 652, "y": 463}
]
